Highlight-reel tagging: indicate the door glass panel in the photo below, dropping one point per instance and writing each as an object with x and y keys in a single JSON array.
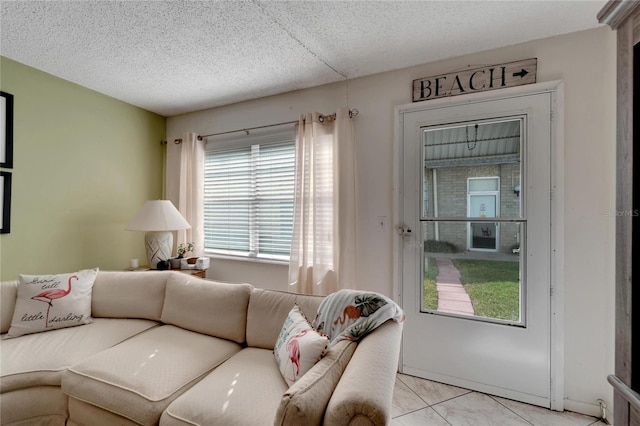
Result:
[
  {"x": 481, "y": 285},
  {"x": 472, "y": 225}
]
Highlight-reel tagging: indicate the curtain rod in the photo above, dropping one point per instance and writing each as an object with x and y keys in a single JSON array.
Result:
[
  {"x": 352, "y": 113},
  {"x": 247, "y": 129}
]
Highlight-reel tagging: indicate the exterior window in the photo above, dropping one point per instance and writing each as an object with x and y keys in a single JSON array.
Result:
[{"x": 248, "y": 200}]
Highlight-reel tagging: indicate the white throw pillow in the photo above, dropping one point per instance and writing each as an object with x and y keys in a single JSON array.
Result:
[
  {"x": 298, "y": 347},
  {"x": 47, "y": 302}
]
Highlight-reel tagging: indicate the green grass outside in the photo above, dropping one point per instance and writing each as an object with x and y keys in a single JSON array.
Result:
[
  {"x": 430, "y": 293},
  {"x": 493, "y": 287}
]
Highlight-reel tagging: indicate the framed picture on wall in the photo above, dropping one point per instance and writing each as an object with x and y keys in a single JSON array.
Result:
[
  {"x": 5, "y": 202},
  {"x": 6, "y": 130}
]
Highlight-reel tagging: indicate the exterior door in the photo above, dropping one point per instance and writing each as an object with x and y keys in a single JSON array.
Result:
[
  {"x": 475, "y": 256},
  {"x": 482, "y": 201}
]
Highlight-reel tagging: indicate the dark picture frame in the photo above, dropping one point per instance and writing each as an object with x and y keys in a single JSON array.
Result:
[
  {"x": 5, "y": 205},
  {"x": 6, "y": 130}
]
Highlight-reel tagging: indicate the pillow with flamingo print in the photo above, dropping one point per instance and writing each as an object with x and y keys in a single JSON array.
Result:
[
  {"x": 298, "y": 347},
  {"x": 48, "y": 302}
]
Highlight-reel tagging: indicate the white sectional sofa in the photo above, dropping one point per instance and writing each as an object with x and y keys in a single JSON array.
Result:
[{"x": 171, "y": 349}]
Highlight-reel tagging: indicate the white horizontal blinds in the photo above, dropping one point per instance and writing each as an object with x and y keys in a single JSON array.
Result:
[
  {"x": 274, "y": 198},
  {"x": 249, "y": 198},
  {"x": 227, "y": 200}
]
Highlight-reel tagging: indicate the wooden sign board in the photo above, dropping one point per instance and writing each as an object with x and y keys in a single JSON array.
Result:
[{"x": 475, "y": 80}]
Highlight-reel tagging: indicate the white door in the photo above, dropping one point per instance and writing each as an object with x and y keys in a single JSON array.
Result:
[{"x": 478, "y": 319}]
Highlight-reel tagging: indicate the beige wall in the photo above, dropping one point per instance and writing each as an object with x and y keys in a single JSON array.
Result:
[
  {"x": 585, "y": 61},
  {"x": 83, "y": 165}
]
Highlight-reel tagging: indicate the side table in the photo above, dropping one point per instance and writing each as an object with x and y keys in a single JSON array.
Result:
[{"x": 194, "y": 272}]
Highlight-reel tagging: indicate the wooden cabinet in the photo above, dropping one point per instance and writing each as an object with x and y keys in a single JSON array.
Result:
[{"x": 624, "y": 18}]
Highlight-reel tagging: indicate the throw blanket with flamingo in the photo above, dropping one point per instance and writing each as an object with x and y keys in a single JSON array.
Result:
[{"x": 352, "y": 314}]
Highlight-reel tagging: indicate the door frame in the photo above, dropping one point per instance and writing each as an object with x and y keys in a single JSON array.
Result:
[{"x": 556, "y": 89}]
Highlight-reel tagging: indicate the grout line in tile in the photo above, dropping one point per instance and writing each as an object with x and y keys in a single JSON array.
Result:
[
  {"x": 490, "y": 396},
  {"x": 425, "y": 408},
  {"x": 408, "y": 412},
  {"x": 441, "y": 416},
  {"x": 468, "y": 391},
  {"x": 411, "y": 389},
  {"x": 452, "y": 398},
  {"x": 414, "y": 392},
  {"x": 399, "y": 376}
]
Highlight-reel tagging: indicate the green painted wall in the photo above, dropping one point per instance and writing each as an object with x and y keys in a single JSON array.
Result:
[{"x": 83, "y": 165}]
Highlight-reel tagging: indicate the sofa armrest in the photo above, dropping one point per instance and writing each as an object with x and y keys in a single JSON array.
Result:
[
  {"x": 8, "y": 295},
  {"x": 364, "y": 393}
]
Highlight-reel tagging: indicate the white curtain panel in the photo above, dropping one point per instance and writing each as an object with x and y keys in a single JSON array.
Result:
[
  {"x": 191, "y": 191},
  {"x": 324, "y": 230}
]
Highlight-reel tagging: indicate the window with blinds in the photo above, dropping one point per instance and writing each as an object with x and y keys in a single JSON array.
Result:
[{"x": 248, "y": 197}]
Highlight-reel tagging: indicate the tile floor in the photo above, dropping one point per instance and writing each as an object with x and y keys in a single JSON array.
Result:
[{"x": 425, "y": 403}]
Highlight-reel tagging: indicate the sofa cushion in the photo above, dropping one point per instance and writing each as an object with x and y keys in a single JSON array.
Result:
[
  {"x": 298, "y": 347},
  {"x": 138, "y": 378},
  {"x": 208, "y": 307},
  {"x": 48, "y": 302},
  {"x": 18, "y": 407},
  {"x": 8, "y": 295},
  {"x": 120, "y": 294},
  {"x": 39, "y": 359},
  {"x": 244, "y": 390},
  {"x": 304, "y": 403},
  {"x": 268, "y": 310}
]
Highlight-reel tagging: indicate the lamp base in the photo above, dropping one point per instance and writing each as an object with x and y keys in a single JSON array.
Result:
[{"x": 159, "y": 246}]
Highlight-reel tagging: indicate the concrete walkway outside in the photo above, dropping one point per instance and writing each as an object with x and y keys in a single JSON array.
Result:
[{"x": 452, "y": 297}]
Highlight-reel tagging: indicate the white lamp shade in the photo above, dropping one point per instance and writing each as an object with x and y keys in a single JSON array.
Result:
[
  {"x": 158, "y": 218},
  {"x": 158, "y": 215}
]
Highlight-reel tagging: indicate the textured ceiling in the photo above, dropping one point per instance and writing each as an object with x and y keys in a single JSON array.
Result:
[{"x": 172, "y": 57}]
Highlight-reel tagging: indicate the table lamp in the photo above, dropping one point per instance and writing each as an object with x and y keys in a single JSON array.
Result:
[{"x": 158, "y": 218}]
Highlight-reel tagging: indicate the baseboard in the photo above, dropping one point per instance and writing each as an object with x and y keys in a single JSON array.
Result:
[{"x": 588, "y": 409}]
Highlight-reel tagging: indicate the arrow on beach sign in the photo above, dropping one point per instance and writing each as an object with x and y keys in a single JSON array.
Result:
[{"x": 521, "y": 74}]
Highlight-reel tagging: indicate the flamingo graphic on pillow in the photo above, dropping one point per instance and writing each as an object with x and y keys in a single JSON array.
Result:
[
  {"x": 49, "y": 296},
  {"x": 293, "y": 348}
]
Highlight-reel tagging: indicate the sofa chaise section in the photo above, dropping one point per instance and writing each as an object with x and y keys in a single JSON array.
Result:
[
  {"x": 40, "y": 359},
  {"x": 204, "y": 324},
  {"x": 139, "y": 378}
]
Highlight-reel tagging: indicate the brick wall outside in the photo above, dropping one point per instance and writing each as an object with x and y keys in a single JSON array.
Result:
[{"x": 452, "y": 202}]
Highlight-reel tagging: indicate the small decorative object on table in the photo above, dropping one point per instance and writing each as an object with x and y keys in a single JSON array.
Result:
[
  {"x": 202, "y": 263},
  {"x": 182, "y": 250}
]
